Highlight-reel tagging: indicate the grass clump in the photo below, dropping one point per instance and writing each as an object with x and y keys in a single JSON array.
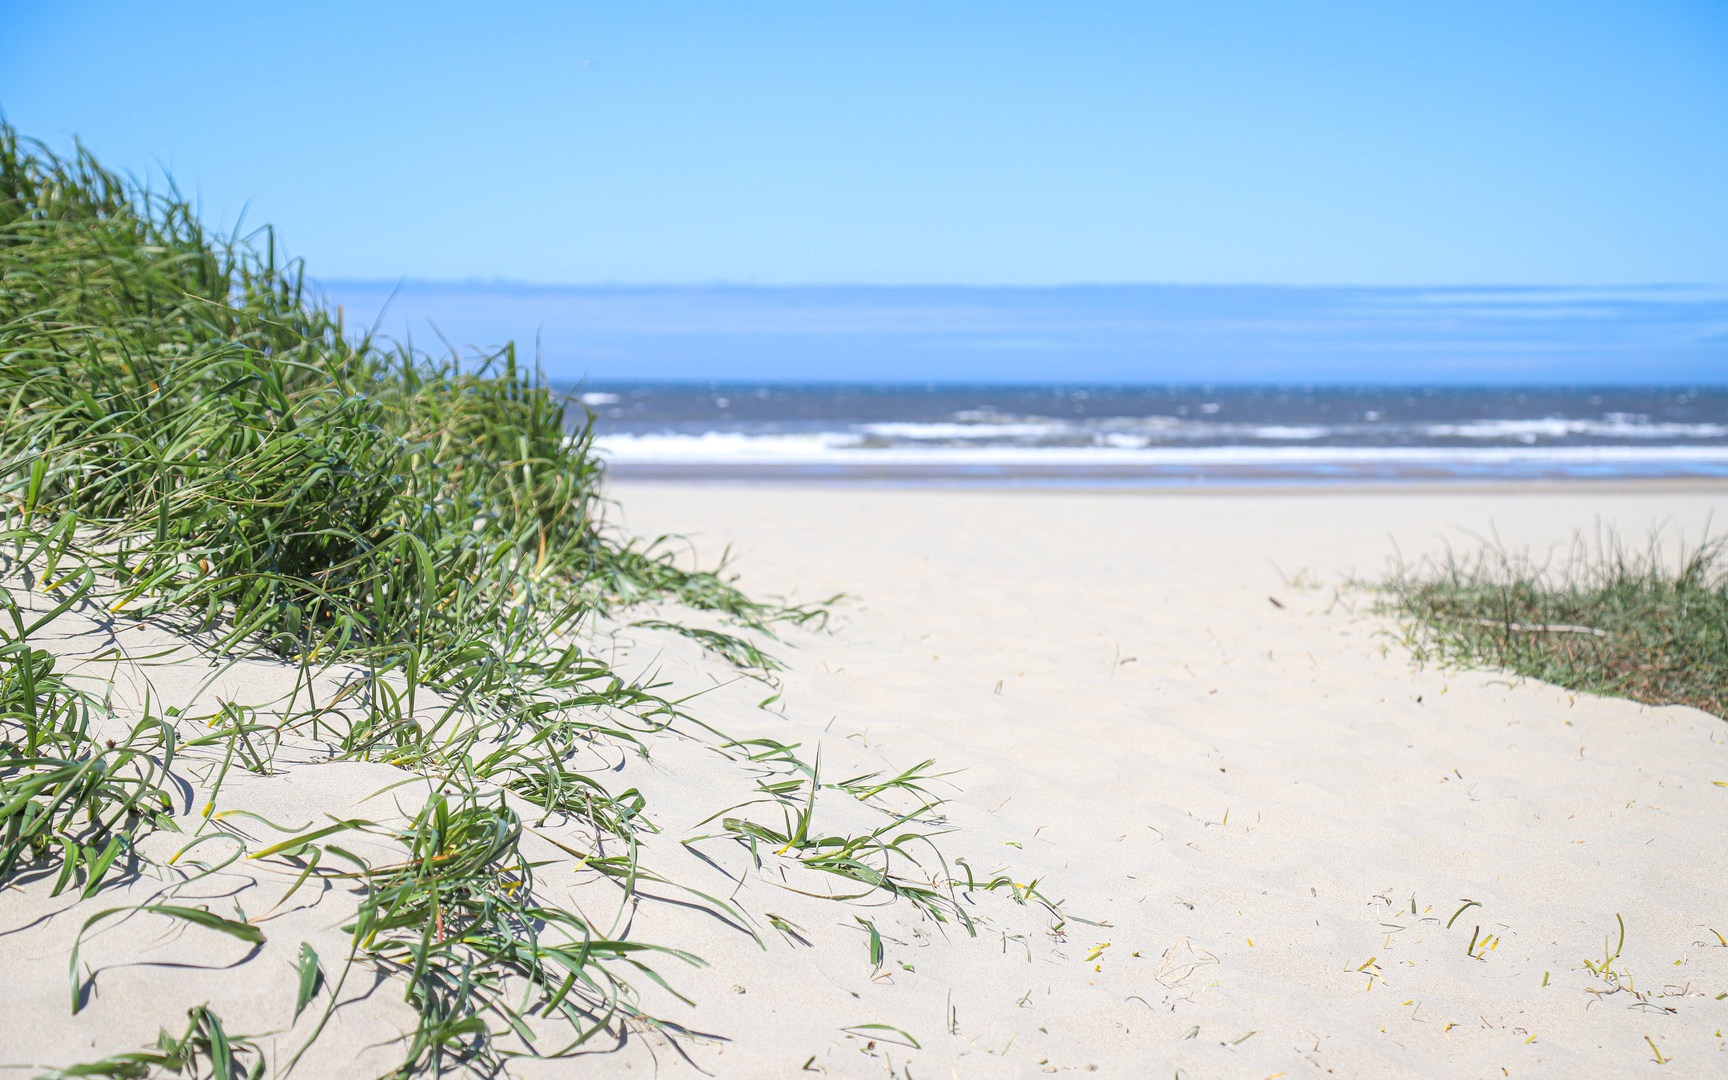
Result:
[
  {"x": 204, "y": 1048},
  {"x": 184, "y": 400},
  {"x": 457, "y": 920},
  {"x": 189, "y": 436},
  {"x": 1604, "y": 619},
  {"x": 192, "y": 437},
  {"x": 68, "y": 796}
]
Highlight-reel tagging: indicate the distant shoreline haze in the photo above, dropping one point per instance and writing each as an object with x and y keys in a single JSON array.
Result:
[{"x": 1127, "y": 334}]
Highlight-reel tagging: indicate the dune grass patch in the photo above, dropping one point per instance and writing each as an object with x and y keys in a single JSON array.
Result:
[
  {"x": 69, "y": 797},
  {"x": 1602, "y": 617},
  {"x": 190, "y": 436}
]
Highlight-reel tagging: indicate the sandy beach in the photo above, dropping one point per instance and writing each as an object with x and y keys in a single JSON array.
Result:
[
  {"x": 1275, "y": 846},
  {"x": 923, "y": 542}
]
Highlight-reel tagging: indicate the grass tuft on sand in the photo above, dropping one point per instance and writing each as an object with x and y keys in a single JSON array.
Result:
[
  {"x": 189, "y": 436},
  {"x": 1650, "y": 625}
]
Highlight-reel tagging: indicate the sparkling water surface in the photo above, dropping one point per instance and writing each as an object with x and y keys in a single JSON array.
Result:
[{"x": 1135, "y": 434}]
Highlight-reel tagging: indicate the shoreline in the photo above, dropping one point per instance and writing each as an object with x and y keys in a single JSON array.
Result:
[{"x": 1128, "y": 482}]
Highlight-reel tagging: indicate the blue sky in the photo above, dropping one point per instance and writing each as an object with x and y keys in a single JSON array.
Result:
[{"x": 893, "y": 143}]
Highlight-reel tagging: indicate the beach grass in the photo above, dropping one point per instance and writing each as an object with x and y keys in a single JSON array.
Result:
[
  {"x": 70, "y": 798},
  {"x": 190, "y": 436},
  {"x": 1649, "y": 623}
]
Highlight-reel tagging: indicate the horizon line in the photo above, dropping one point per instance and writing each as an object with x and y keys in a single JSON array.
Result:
[
  {"x": 1207, "y": 386},
  {"x": 719, "y": 284}
]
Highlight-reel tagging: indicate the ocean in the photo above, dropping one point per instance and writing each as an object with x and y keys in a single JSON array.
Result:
[
  {"x": 1101, "y": 385},
  {"x": 1102, "y": 435}
]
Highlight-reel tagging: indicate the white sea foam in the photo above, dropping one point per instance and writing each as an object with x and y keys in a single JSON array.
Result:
[
  {"x": 1289, "y": 432},
  {"x": 1528, "y": 432},
  {"x": 1612, "y": 426},
  {"x": 595, "y": 397},
  {"x": 931, "y": 431},
  {"x": 726, "y": 446}
]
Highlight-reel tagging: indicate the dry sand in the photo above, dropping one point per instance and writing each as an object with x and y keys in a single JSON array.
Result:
[{"x": 1259, "y": 819}]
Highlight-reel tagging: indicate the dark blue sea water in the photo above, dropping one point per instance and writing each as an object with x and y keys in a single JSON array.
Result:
[{"x": 1136, "y": 435}]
